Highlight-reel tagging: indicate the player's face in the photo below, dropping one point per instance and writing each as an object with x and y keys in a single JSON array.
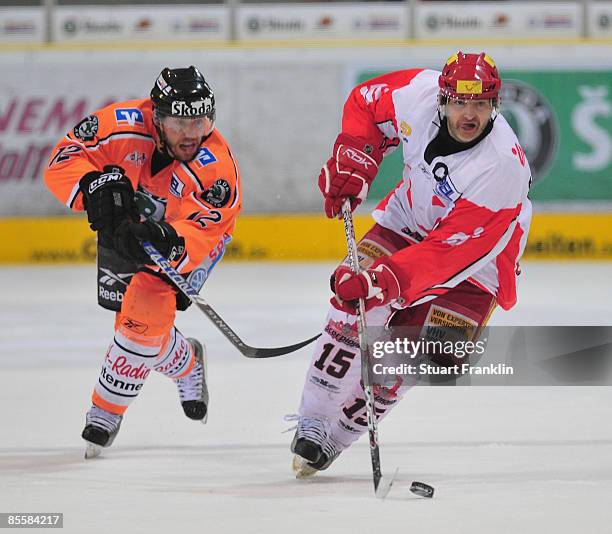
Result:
[
  {"x": 467, "y": 118},
  {"x": 183, "y": 136}
]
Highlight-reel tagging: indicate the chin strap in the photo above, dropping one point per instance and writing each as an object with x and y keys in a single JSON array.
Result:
[{"x": 160, "y": 142}]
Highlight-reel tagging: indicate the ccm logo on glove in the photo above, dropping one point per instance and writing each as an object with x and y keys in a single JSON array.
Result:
[
  {"x": 108, "y": 198},
  {"x": 104, "y": 179}
]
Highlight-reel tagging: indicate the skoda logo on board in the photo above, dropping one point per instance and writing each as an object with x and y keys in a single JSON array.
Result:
[{"x": 535, "y": 123}]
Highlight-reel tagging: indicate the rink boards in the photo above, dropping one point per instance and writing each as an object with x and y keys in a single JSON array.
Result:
[{"x": 284, "y": 237}]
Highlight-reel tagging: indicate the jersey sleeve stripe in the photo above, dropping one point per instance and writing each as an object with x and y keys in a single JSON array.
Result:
[
  {"x": 236, "y": 195},
  {"x": 119, "y": 135},
  {"x": 183, "y": 262},
  {"x": 236, "y": 191},
  {"x": 199, "y": 203},
  {"x": 193, "y": 176},
  {"x": 73, "y": 195},
  {"x": 470, "y": 269}
]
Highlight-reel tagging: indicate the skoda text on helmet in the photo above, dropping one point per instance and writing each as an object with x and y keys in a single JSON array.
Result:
[
  {"x": 469, "y": 77},
  {"x": 183, "y": 102}
]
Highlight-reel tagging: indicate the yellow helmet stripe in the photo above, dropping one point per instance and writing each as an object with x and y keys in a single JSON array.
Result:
[{"x": 489, "y": 60}]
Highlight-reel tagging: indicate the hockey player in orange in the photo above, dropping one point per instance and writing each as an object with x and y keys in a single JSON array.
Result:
[{"x": 153, "y": 169}]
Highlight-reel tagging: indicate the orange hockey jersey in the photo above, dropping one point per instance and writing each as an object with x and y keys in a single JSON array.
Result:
[{"x": 201, "y": 199}]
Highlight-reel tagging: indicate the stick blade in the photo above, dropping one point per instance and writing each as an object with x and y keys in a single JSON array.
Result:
[
  {"x": 422, "y": 490},
  {"x": 384, "y": 485},
  {"x": 253, "y": 352},
  {"x": 246, "y": 350}
]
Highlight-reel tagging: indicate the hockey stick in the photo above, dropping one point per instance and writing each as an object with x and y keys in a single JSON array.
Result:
[
  {"x": 224, "y": 328},
  {"x": 381, "y": 485}
]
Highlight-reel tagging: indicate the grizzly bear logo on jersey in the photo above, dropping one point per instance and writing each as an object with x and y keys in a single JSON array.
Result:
[
  {"x": 218, "y": 195},
  {"x": 87, "y": 129}
]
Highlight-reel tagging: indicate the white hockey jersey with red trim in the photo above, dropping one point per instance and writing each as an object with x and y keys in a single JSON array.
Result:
[{"x": 464, "y": 206}]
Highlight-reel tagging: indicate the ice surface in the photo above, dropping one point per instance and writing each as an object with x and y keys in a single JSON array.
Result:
[{"x": 503, "y": 460}]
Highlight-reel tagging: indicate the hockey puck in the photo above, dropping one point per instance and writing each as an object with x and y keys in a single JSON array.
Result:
[{"x": 421, "y": 489}]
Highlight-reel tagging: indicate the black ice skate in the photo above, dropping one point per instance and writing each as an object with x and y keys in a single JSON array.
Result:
[
  {"x": 313, "y": 447},
  {"x": 193, "y": 390},
  {"x": 101, "y": 428}
]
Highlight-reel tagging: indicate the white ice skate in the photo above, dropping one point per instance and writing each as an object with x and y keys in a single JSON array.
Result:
[
  {"x": 101, "y": 428},
  {"x": 314, "y": 449},
  {"x": 193, "y": 389}
]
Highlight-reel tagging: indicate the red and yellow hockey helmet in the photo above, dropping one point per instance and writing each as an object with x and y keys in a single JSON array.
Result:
[{"x": 470, "y": 77}]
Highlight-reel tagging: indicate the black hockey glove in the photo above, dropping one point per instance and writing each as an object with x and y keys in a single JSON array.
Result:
[
  {"x": 161, "y": 235},
  {"x": 108, "y": 197}
]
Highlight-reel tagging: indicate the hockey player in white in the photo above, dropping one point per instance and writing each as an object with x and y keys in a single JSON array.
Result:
[{"x": 446, "y": 242}]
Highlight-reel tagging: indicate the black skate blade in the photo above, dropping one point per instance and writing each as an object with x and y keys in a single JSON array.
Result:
[
  {"x": 92, "y": 450},
  {"x": 384, "y": 485},
  {"x": 422, "y": 490}
]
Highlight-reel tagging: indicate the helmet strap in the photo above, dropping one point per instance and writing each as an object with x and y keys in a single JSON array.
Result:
[{"x": 161, "y": 142}]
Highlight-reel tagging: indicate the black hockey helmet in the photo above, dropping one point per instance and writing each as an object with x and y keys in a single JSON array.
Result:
[{"x": 183, "y": 93}]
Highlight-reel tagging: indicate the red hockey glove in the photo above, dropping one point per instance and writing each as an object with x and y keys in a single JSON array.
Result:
[
  {"x": 378, "y": 285},
  {"x": 348, "y": 173}
]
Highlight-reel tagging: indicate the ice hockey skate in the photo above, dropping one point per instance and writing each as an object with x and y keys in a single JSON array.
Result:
[
  {"x": 192, "y": 388},
  {"x": 313, "y": 448},
  {"x": 101, "y": 428}
]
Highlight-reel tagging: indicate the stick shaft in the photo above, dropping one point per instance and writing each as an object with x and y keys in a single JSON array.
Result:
[
  {"x": 215, "y": 318},
  {"x": 353, "y": 258}
]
